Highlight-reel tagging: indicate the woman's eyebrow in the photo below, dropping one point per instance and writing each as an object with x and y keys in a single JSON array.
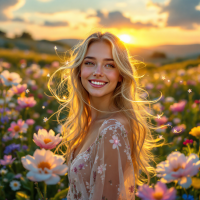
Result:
[{"x": 107, "y": 59}]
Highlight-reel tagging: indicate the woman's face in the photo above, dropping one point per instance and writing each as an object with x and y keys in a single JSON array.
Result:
[{"x": 99, "y": 64}]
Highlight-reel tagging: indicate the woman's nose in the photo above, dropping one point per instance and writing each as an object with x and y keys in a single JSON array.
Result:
[{"x": 99, "y": 69}]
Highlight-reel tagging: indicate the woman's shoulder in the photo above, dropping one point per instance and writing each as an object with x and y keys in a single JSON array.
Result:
[{"x": 117, "y": 119}]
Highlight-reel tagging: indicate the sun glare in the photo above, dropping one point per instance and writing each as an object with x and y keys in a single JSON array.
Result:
[{"x": 125, "y": 38}]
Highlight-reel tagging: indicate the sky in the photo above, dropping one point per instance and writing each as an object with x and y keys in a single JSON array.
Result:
[{"x": 137, "y": 22}]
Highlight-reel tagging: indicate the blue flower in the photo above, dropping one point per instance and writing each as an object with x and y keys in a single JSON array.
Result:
[
  {"x": 64, "y": 198},
  {"x": 187, "y": 197},
  {"x": 12, "y": 147},
  {"x": 4, "y": 119}
]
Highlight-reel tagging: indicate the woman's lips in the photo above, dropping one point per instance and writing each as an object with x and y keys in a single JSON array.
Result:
[{"x": 96, "y": 86}]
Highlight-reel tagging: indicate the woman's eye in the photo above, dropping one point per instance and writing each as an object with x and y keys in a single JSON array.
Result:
[
  {"x": 87, "y": 63},
  {"x": 90, "y": 63},
  {"x": 111, "y": 65}
]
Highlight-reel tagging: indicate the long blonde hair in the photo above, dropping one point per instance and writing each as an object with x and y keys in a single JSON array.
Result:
[{"x": 128, "y": 97}]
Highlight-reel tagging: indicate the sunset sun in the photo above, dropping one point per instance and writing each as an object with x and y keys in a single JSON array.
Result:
[{"x": 125, "y": 38}]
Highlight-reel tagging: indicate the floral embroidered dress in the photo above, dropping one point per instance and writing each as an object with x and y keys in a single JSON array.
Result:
[{"x": 105, "y": 170}]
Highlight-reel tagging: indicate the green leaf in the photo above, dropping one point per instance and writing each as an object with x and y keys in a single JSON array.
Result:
[
  {"x": 21, "y": 154},
  {"x": 9, "y": 176},
  {"x": 61, "y": 194},
  {"x": 21, "y": 196}
]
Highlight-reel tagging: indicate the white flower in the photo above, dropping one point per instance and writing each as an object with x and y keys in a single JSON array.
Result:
[
  {"x": 101, "y": 168},
  {"x": 179, "y": 167},
  {"x": 15, "y": 185},
  {"x": 86, "y": 156},
  {"x": 3, "y": 171},
  {"x": 115, "y": 141},
  {"x": 10, "y": 79},
  {"x": 45, "y": 166},
  {"x": 169, "y": 99}
]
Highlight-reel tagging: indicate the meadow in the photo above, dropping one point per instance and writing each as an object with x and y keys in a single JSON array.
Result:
[{"x": 29, "y": 135}]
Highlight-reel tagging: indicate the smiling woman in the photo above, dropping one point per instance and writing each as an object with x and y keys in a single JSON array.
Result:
[{"x": 106, "y": 132}]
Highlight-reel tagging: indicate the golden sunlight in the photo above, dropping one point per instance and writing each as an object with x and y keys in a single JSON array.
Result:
[{"x": 125, "y": 38}]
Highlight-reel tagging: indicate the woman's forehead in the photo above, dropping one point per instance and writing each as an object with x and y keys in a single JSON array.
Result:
[{"x": 99, "y": 50}]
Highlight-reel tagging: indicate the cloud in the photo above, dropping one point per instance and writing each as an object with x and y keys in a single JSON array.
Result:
[
  {"x": 7, "y": 7},
  {"x": 57, "y": 23},
  {"x": 181, "y": 13},
  {"x": 18, "y": 19},
  {"x": 115, "y": 19}
]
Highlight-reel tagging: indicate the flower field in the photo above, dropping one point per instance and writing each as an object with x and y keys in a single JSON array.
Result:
[{"x": 29, "y": 168}]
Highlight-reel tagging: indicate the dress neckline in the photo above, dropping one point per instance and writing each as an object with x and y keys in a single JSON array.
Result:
[{"x": 93, "y": 142}]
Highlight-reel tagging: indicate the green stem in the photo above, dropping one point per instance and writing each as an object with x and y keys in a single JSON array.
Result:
[
  {"x": 32, "y": 191},
  {"x": 45, "y": 191},
  {"x": 199, "y": 148},
  {"x": 4, "y": 103},
  {"x": 11, "y": 169},
  {"x": 189, "y": 148}
]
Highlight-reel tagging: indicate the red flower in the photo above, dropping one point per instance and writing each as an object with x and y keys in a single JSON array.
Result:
[
  {"x": 30, "y": 95},
  {"x": 131, "y": 189},
  {"x": 197, "y": 101}
]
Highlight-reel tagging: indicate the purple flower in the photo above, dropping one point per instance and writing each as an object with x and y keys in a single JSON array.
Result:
[
  {"x": 24, "y": 147},
  {"x": 7, "y": 160},
  {"x": 38, "y": 127},
  {"x": 12, "y": 147},
  {"x": 18, "y": 176},
  {"x": 6, "y": 138},
  {"x": 179, "y": 129},
  {"x": 2, "y": 110},
  {"x": 45, "y": 103}
]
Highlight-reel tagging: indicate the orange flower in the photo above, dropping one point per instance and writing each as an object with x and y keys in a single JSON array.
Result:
[{"x": 195, "y": 132}]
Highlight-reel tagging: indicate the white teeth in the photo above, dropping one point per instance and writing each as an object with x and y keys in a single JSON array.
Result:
[{"x": 97, "y": 83}]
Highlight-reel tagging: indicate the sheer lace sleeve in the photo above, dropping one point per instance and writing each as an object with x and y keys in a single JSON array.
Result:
[{"x": 112, "y": 174}]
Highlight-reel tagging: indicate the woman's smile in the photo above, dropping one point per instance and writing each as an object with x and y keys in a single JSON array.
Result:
[{"x": 97, "y": 84}]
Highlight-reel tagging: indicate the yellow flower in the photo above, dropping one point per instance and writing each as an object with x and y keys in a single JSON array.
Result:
[
  {"x": 195, "y": 132},
  {"x": 196, "y": 183}
]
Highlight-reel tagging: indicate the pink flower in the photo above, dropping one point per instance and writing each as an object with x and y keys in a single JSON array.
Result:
[
  {"x": 49, "y": 111},
  {"x": 7, "y": 160},
  {"x": 55, "y": 64},
  {"x": 19, "y": 88},
  {"x": 162, "y": 120},
  {"x": 30, "y": 121},
  {"x": 115, "y": 141},
  {"x": 34, "y": 87},
  {"x": 178, "y": 107},
  {"x": 19, "y": 127},
  {"x": 159, "y": 193},
  {"x": 81, "y": 166},
  {"x": 179, "y": 167},
  {"x": 26, "y": 101},
  {"x": 46, "y": 140},
  {"x": 159, "y": 86}
]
